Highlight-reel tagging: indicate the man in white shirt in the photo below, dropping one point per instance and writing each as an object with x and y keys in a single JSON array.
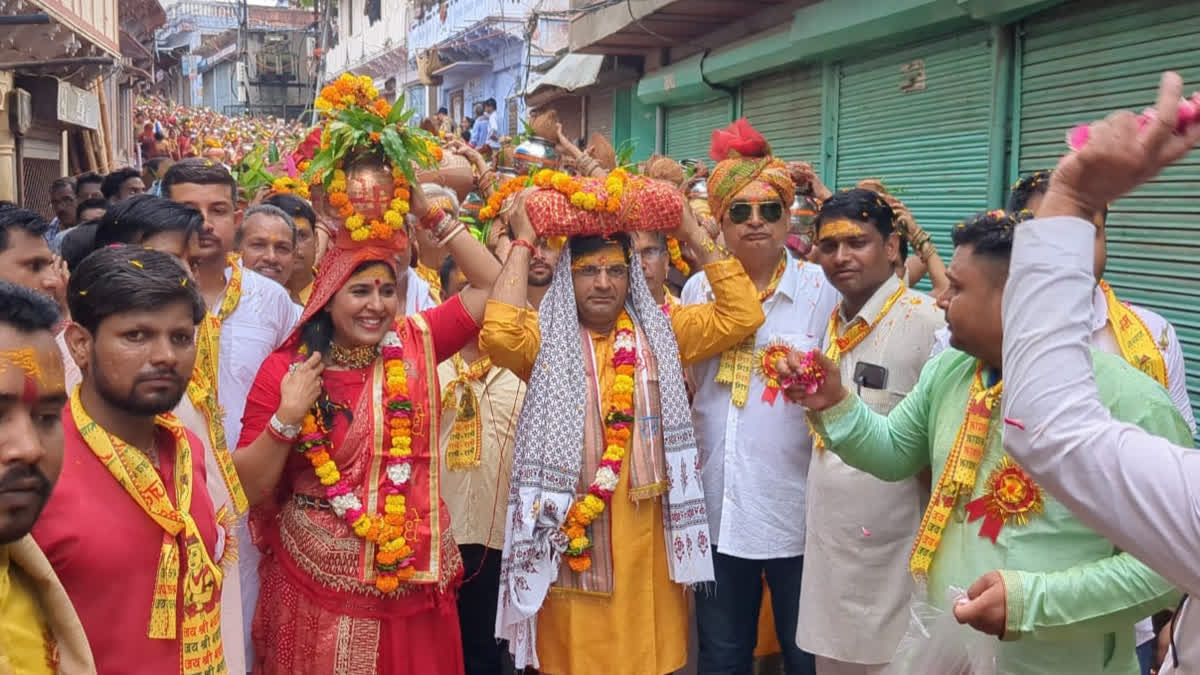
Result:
[
  {"x": 1140, "y": 491},
  {"x": 857, "y": 586},
  {"x": 753, "y": 474},
  {"x": 1143, "y": 338},
  {"x": 249, "y": 316},
  {"x": 1120, "y": 328}
]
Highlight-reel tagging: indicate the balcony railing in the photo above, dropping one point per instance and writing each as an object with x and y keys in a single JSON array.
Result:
[{"x": 461, "y": 15}]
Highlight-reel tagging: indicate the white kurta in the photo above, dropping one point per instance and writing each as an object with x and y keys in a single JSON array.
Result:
[
  {"x": 265, "y": 317},
  {"x": 856, "y": 586},
  {"x": 1140, "y": 491},
  {"x": 755, "y": 458}
]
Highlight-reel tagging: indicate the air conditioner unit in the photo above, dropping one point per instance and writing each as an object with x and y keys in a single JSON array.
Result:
[{"x": 22, "y": 111}]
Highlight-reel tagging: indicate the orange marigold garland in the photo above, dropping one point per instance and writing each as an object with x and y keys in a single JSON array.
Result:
[
  {"x": 394, "y": 555},
  {"x": 582, "y": 196},
  {"x": 676, "y": 254},
  {"x": 618, "y": 428},
  {"x": 359, "y": 124}
]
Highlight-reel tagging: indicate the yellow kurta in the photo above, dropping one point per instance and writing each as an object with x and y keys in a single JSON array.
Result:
[
  {"x": 642, "y": 628},
  {"x": 24, "y": 647}
]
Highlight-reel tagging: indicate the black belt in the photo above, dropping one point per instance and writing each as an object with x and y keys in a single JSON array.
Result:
[{"x": 307, "y": 502}]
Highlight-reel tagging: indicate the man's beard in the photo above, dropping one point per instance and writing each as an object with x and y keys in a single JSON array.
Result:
[
  {"x": 539, "y": 281},
  {"x": 129, "y": 401},
  {"x": 22, "y": 473}
]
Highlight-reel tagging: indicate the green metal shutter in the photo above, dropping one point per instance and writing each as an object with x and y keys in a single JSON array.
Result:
[
  {"x": 786, "y": 108},
  {"x": 1080, "y": 62},
  {"x": 689, "y": 128},
  {"x": 930, "y": 145}
]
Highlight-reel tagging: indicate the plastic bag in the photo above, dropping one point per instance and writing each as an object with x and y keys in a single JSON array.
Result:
[{"x": 937, "y": 644}]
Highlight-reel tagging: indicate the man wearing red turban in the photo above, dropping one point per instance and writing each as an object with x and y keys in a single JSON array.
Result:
[{"x": 754, "y": 477}]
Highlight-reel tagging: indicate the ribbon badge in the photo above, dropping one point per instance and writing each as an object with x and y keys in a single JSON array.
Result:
[
  {"x": 764, "y": 366},
  {"x": 1010, "y": 496}
]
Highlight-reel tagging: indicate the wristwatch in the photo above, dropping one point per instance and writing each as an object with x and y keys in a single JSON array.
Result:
[{"x": 289, "y": 431}]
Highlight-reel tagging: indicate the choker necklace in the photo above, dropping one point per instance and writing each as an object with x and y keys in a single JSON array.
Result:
[{"x": 353, "y": 358}]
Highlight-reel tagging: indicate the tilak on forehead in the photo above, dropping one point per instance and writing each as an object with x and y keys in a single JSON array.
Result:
[
  {"x": 611, "y": 254},
  {"x": 840, "y": 227},
  {"x": 35, "y": 379},
  {"x": 379, "y": 274}
]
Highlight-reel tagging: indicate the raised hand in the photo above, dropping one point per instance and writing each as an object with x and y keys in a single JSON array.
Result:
[
  {"x": 299, "y": 390},
  {"x": 1120, "y": 155}
]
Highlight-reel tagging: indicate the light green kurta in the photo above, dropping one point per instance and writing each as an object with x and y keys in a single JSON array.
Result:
[{"x": 1073, "y": 599}]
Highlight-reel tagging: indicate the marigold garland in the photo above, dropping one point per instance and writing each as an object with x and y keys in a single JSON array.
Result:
[
  {"x": 676, "y": 255},
  {"x": 285, "y": 185},
  {"x": 618, "y": 428},
  {"x": 581, "y": 196},
  {"x": 394, "y": 556},
  {"x": 356, "y": 224}
]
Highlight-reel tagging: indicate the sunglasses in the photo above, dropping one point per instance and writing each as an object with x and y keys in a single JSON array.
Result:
[{"x": 769, "y": 212}]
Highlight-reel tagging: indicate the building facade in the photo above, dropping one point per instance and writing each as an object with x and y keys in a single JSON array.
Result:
[
  {"x": 464, "y": 52},
  {"x": 370, "y": 39},
  {"x": 946, "y": 101},
  {"x": 240, "y": 58},
  {"x": 68, "y": 69}
]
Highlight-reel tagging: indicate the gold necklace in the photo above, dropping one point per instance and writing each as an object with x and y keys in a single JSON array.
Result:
[{"x": 353, "y": 358}]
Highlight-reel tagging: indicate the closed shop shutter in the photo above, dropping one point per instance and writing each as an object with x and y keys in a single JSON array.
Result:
[
  {"x": 600, "y": 114},
  {"x": 689, "y": 128},
  {"x": 1083, "y": 61},
  {"x": 786, "y": 108},
  {"x": 918, "y": 119}
]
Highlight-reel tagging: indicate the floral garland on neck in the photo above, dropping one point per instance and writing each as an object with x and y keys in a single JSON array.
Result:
[
  {"x": 618, "y": 429},
  {"x": 394, "y": 557},
  {"x": 676, "y": 255},
  {"x": 582, "y": 196}
]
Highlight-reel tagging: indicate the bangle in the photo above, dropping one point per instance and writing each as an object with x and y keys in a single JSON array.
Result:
[
  {"x": 432, "y": 217},
  {"x": 285, "y": 433},
  {"x": 524, "y": 244},
  {"x": 443, "y": 240},
  {"x": 442, "y": 229}
]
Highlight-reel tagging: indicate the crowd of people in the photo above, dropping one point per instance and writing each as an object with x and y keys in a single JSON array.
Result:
[{"x": 253, "y": 438}]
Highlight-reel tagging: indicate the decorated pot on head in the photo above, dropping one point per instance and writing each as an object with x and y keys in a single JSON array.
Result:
[
  {"x": 534, "y": 154},
  {"x": 801, "y": 232},
  {"x": 619, "y": 202},
  {"x": 453, "y": 172}
]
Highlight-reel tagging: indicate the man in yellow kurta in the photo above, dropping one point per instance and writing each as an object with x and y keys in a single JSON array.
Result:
[
  {"x": 606, "y": 473},
  {"x": 39, "y": 630}
]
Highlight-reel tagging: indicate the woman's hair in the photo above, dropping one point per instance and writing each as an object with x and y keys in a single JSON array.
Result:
[{"x": 317, "y": 333}]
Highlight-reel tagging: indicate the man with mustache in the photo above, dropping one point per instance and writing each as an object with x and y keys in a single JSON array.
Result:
[
  {"x": 130, "y": 529},
  {"x": 301, "y": 211},
  {"x": 267, "y": 242},
  {"x": 248, "y": 317},
  {"x": 754, "y": 475},
  {"x": 859, "y": 527},
  {"x": 37, "y": 621},
  {"x": 165, "y": 226},
  {"x": 606, "y": 522}
]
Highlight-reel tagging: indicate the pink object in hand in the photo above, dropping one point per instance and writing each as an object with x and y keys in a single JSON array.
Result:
[
  {"x": 810, "y": 377},
  {"x": 1189, "y": 114}
]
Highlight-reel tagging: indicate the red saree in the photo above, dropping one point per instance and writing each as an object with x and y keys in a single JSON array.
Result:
[{"x": 318, "y": 612}]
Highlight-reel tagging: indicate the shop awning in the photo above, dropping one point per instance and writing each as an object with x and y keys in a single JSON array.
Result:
[{"x": 573, "y": 71}]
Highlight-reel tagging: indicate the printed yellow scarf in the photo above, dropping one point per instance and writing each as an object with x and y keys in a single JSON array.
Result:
[
  {"x": 1133, "y": 337},
  {"x": 464, "y": 448},
  {"x": 431, "y": 277},
  {"x": 958, "y": 476},
  {"x": 738, "y": 363},
  {"x": 202, "y": 387},
  {"x": 855, "y": 334},
  {"x": 200, "y": 642}
]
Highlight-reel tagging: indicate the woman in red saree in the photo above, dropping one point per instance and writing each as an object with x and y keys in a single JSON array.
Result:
[{"x": 359, "y": 568}]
